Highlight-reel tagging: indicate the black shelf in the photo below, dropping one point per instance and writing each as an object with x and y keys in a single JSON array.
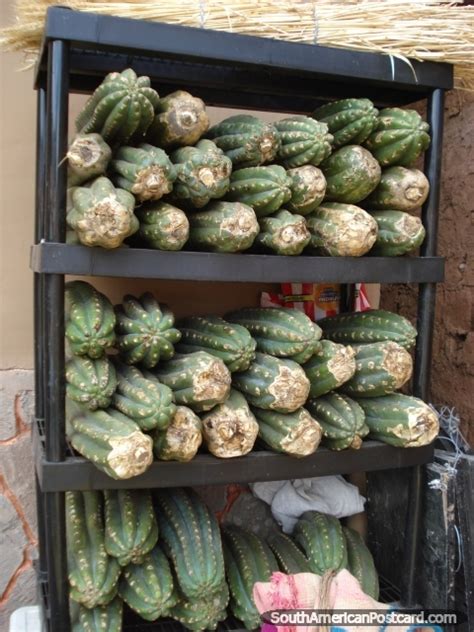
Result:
[
  {"x": 231, "y": 69},
  {"x": 55, "y": 258},
  {"x": 77, "y": 473}
]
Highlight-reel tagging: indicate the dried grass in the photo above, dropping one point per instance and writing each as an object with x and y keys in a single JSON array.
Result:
[{"x": 432, "y": 30}]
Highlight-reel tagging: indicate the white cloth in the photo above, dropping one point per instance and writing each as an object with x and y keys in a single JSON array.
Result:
[{"x": 328, "y": 494}]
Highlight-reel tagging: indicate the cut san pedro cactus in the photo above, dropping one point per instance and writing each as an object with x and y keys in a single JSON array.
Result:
[
  {"x": 90, "y": 382},
  {"x": 303, "y": 141},
  {"x": 361, "y": 563},
  {"x": 181, "y": 439},
  {"x": 146, "y": 171},
  {"x": 147, "y": 588},
  {"x": 342, "y": 421},
  {"x": 330, "y": 366},
  {"x": 203, "y": 613},
  {"x": 273, "y": 384},
  {"x": 223, "y": 227},
  {"x": 142, "y": 398},
  {"x": 296, "y": 433},
  {"x": 230, "y": 342},
  {"x": 341, "y": 230},
  {"x": 374, "y": 325},
  {"x": 248, "y": 559},
  {"x": 92, "y": 573},
  {"x": 285, "y": 233},
  {"x": 246, "y": 140},
  {"x": 106, "y": 618},
  {"x": 381, "y": 368},
  {"x": 400, "y": 420},
  {"x": 180, "y": 119},
  {"x": 198, "y": 380},
  {"x": 131, "y": 531},
  {"x": 203, "y": 173},
  {"x": 308, "y": 188},
  {"x": 162, "y": 226},
  {"x": 398, "y": 233},
  {"x": 350, "y": 121},
  {"x": 100, "y": 214},
  {"x": 285, "y": 333},
  {"x": 399, "y": 189},
  {"x": 110, "y": 440},
  {"x": 190, "y": 538},
  {"x": 400, "y": 137},
  {"x": 265, "y": 189},
  {"x": 89, "y": 320},
  {"x": 351, "y": 174},
  {"x": 289, "y": 557},
  {"x": 121, "y": 109},
  {"x": 322, "y": 540},
  {"x": 145, "y": 332},
  {"x": 88, "y": 157},
  {"x": 230, "y": 429}
]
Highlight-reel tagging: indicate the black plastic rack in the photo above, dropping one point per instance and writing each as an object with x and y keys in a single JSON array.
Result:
[{"x": 227, "y": 70}]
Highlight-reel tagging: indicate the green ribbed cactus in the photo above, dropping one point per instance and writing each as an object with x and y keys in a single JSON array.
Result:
[
  {"x": 342, "y": 421},
  {"x": 190, "y": 538},
  {"x": 284, "y": 233},
  {"x": 330, "y": 366},
  {"x": 308, "y": 188},
  {"x": 180, "y": 119},
  {"x": 304, "y": 141},
  {"x": 121, "y": 109},
  {"x": 341, "y": 230},
  {"x": 398, "y": 233},
  {"x": 230, "y": 429},
  {"x": 273, "y": 384},
  {"x": 106, "y": 618},
  {"x": 374, "y": 325},
  {"x": 246, "y": 140},
  {"x": 146, "y": 171},
  {"x": 232, "y": 343},
  {"x": 296, "y": 433},
  {"x": 88, "y": 157},
  {"x": 90, "y": 382},
  {"x": 100, "y": 214},
  {"x": 92, "y": 573},
  {"x": 203, "y": 613},
  {"x": 248, "y": 559},
  {"x": 400, "y": 137},
  {"x": 142, "y": 398},
  {"x": 181, "y": 439},
  {"x": 351, "y": 173},
  {"x": 284, "y": 333},
  {"x": 203, "y": 173},
  {"x": 198, "y": 380},
  {"x": 145, "y": 332},
  {"x": 147, "y": 588},
  {"x": 350, "y": 121},
  {"x": 361, "y": 563},
  {"x": 399, "y": 189},
  {"x": 89, "y": 320},
  {"x": 321, "y": 538},
  {"x": 162, "y": 226},
  {"x": 289, "y": 557},
  {"x": 381, "y": 368},
  {"x": 223, "y": 227},
  {"x": 109, "y": 439},
  {"x": 265, "y": 189},
  {"x": 131, "y": 530}
]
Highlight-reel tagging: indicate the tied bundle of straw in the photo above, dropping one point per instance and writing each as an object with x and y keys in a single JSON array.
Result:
[{"x": 433, "y": 30}]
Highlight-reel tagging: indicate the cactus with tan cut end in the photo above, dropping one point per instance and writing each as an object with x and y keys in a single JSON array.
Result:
[
  {"x": 329, "y": 367},
  {"x": 398, "y": 233},
  {"x": 308, "y": 188},
  {"x": 162, "y": 226},
  {"x": 284, "y": 233},
  {"x": 181, "y": 439},
  {"x": 88, "y": 157},
  {"x": 399, "y": 189},
  {"x": 297, "y": 433},
  {"x": 100, "y": 214}
]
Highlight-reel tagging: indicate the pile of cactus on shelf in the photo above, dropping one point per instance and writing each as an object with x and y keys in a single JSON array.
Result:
[
  {"x": 163, "y": 554},
  {"x": 150, "y": 172},
  {"x": 140, "y": 385}
]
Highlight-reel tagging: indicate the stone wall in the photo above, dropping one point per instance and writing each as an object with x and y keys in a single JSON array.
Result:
[
  {"x": 453, "y": 349},
  {"x": 18, "y": 539}
]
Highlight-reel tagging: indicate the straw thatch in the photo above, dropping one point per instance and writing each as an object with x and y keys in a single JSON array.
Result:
[{"x": 432, "y": 30}]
